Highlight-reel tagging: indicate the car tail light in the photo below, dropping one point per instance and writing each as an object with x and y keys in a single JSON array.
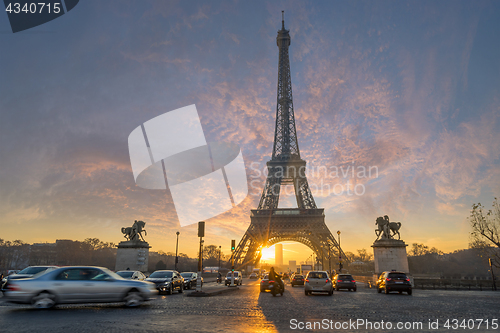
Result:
[
  {"x": 307, "y": 280},
  {"x": 339, "y": 280},
  {"x": 13, "y": 287},
  {"x": 353, "y": 281},
  {"x": 271, "y": 281},
  {"x": 407, "y": 279},
  {"x": 327, "y": 281},
  {"x": 262, "y": 281},
  {"x": 388, "y": 279}
]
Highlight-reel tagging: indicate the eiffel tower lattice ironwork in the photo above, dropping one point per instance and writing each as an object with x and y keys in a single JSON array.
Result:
[{"x": 270, "y": 224}]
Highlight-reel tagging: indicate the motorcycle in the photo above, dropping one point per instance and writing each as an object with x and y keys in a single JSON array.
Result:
[
  {"x": 219, "y": 279},
  {"x": 276, "y": 288}
]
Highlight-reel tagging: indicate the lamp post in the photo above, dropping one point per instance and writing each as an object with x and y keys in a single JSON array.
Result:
[
  {"x": 201, "y": 234},
  {"x": 329, "y": 260},
  {"x": 492, "y": 275},
  {"x": 340, "y": 256},
  {"x": 177, "y": 250},
  {"x": 219, "y": 258}
]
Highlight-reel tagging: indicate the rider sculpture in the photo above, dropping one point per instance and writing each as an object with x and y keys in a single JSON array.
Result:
[
  {"x": 385, "y": 227},
  {"x": 134, "y": 233}
]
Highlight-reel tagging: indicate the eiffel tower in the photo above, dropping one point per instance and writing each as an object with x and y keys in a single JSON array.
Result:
[{"x": 270, "y": 224}]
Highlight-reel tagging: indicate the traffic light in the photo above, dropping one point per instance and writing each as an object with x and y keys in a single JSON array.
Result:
[
  {"x": 233, "y": 245},
  {"x": 201, "y": 229}
]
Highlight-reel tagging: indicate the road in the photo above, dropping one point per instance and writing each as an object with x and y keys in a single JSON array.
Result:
[{"x": 248, "y": 310}]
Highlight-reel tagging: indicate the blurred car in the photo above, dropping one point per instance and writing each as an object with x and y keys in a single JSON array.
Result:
[
  {"x": 167, "y": 281},
  {"x": 297, "y": 280},
  {"x": 26, "y": 273},
  {"x": 132, "y": 275},
  {"x": 394, "y": 281},
  {"x": 253, "y": 276},
  {"x": 238, "y": 279},
  {"x": 318, "y": 281},
  {"x": 78, "y": 285},
  {"x": 190, "y": 279},
  {"x": 264, "y": 283},
  {"x": 344, "y": 281}
]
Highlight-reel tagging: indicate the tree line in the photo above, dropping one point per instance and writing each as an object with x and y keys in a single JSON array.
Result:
[
  {"x": 94, "y": 252},
  {"x": 91, "y": 251}
]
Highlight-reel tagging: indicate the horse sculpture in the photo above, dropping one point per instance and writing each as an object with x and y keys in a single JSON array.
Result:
[
  {"x": 385, "y": 227},
  {"x": 135, "y": 231}
]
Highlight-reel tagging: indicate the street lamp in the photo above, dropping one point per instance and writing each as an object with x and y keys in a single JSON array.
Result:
[
  {"x": 492, "y": 275},
  {"x": 219, "y": 258},
  {"x": 340, "y": 255},
  {"x": 177, "y": 250}
]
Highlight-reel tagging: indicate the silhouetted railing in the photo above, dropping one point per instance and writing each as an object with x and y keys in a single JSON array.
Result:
[{"x": 287, "y": 211}]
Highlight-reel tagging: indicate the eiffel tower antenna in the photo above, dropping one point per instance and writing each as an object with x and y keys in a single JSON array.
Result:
[{"x": 269, "y": 224}]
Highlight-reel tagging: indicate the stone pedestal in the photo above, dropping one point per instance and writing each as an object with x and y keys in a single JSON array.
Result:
[
  {"x": 390, "y": 254},
  {"x": 132, "y": 255}
]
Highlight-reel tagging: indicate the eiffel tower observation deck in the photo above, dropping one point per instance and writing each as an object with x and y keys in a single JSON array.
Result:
[{"x": 270, "y": 224}]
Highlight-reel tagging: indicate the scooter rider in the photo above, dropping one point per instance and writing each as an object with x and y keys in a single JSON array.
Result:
[{"x": 276, "y": 277}]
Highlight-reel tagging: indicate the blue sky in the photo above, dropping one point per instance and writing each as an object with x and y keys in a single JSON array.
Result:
[{"x": 409, "y": 87}]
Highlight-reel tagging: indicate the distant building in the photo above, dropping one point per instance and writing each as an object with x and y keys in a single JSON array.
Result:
[
  {"x": 278, "y": 255},
  {"x": 43, "y": 254}
]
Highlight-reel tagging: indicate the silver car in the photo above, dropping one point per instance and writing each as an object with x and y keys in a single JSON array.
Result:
[
  {"x": 67, "y": 285},
  {"x": 132, "y": 275},
  {"x": 318, "y": 281},
  {"x": 26, "y": 273}
]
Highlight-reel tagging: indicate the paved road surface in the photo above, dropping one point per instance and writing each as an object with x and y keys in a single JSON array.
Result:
[{"x": 248, "y": 310}]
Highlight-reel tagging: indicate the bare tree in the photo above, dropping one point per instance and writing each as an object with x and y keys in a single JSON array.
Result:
[
  {"x": 418, "y": 250},
  {"x": 364, "y": 256},
  {"x": 211, "y": 255},
  {"x": 485, "y": 233}
]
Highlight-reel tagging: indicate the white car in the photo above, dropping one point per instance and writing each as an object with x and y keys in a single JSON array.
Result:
[
  {"x": 238, "y": 278},
  {"x": 318, "y": 281}
]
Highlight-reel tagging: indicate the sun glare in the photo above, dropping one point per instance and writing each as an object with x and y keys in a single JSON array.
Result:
[{"x": 267, "y": 253}]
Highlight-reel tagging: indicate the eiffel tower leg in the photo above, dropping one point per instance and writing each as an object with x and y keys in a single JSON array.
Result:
[
  {"x": 303, "y": 194},
  {"x": 271, "y": 193},
  {"x": 247, "y": 252}
]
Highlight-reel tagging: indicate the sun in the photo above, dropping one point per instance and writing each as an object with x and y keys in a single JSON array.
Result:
[{"x": 267, "y": 253}]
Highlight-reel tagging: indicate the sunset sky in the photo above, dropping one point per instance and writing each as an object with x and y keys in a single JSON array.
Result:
[{"x": 409, "y": 87}]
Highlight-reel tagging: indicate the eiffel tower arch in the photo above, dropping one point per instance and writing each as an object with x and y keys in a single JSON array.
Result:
[{"x": 270, "y": 224}]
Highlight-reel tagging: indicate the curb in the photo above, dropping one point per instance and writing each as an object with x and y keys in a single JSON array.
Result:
[{"x": 211, "y": 293}]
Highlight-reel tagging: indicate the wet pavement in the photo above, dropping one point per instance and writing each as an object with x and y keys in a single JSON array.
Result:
[{"x": 248, "y": 310}]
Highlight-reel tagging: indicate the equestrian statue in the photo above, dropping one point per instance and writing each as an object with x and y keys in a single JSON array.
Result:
[
  {"x": 385, "y": 228},
  {"x": 134, "y": 233}
]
